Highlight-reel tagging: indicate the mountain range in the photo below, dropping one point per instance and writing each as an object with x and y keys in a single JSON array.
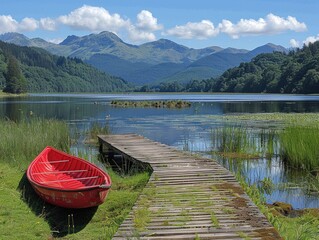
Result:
[{"x": 149, "y": 63}]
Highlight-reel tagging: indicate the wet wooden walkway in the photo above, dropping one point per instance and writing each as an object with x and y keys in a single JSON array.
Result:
[{"x": 187, "y": 197}]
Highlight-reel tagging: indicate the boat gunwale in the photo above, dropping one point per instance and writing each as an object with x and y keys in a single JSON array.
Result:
[{"x": 78, "y": 189}]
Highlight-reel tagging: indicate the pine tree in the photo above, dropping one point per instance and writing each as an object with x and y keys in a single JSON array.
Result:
[{"x": 15, "y": 81}]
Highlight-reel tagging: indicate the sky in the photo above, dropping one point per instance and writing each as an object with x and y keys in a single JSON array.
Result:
[{"x": 244, "y": 24}]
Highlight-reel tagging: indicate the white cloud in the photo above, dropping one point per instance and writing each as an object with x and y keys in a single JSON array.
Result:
[
  {"x": 294, "y": 43},
  {"x": 28, "y": 25},
  {"x": 8, "y": 24},
  {"x": 311, "y": 39},
  {"x": 137, "y": 36},
  {"x": 55, "y": 40},
  {"x": 272, "y": 24},
  {"x": 144, "y": 28},
  {"x": 99, "y": 19},
  {"x": 146, "y": 22},
  {"x": 48, "y": 24},
  {"x": 93, "y": 19},
  {"x": 199, "y": 30}
]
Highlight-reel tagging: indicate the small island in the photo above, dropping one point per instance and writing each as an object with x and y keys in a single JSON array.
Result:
[{"x": 154, "y": 104}]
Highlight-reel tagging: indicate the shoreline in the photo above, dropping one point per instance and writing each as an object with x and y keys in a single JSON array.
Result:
[{"x": 3, "y": 94}]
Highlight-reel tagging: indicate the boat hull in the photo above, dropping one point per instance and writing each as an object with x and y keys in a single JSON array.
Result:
[
  {"x": 72, "y": 199},
  {"x": 67, "y": 181}
]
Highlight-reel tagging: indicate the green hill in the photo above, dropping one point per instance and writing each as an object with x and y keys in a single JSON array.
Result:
[{"x": 45, "y": 72}]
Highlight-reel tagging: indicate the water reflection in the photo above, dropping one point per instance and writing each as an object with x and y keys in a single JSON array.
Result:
[{"x": 187, "y": 129}]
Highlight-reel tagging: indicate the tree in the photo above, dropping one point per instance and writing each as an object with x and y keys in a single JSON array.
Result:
[
  {"x": 311, "y": 82},
  {"x": 15, "y": 81}
]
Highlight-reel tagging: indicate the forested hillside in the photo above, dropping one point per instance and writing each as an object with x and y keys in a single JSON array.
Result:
[
  {"x": 295, "y": 72},
  {"x": 45, "y": 72}
]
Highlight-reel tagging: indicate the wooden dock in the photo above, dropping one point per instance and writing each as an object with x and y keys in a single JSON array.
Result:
[{"x": 187, "y": 197}]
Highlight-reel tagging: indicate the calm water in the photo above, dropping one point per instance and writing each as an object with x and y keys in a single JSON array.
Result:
[{"x": 188, "y": 129}]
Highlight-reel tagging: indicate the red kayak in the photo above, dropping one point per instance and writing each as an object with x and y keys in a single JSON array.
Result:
[{"x": 67, "y": 181}]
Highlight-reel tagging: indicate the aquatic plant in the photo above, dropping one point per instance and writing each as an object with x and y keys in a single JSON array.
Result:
[
  {"x": 268, "y": 142},
  {"x": 266, "y": 185},
  {"x": 98, "y": 128},
  {"x": 154, "y": 104},
  {"x": 299, "y": 146},
  {"x": 234, "y": 139}
]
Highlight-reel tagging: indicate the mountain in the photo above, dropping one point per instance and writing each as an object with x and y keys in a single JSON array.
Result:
[
  {"x": 215, "y": 64},
  {"x": 268, "y": 48},
  {"x": 148, "y": 63},
  {"x": 45, "y": 72},
  {"x": 21, "y": 40},
  {"x": 16, "y": 38}
]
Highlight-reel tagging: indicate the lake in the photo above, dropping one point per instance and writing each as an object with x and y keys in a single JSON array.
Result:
[{"x": 186, "y": 129}]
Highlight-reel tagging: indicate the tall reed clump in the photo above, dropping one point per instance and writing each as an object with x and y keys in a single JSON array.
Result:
[
  {"x": 233, "y": 139},
  {"x": 21, "y": 141},
  {"x": 268, "y": 142},
  {"x": 299, "y": 146},
  {"x": 96, "y": 129}
]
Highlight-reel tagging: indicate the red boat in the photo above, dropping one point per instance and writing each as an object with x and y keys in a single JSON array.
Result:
[{"x": 67, "y": 181}]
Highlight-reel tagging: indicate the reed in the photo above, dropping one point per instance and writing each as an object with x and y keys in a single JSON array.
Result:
[
  {"x": 21, "y": 141},
  {"x": 299, "y": 146},
  {"x": 234, "y": 141},
  {"x": 98, "y": 128},
  {"x": 268, "y": 145}
]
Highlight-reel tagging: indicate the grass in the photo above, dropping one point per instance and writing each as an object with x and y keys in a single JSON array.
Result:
[
  {"x": 299, "y": 146},
  {"x": 234, "y": 142},
  {"x": 23, "y": 215},
  {"x": 243, "y": 236},
  {"x": 142, "y": 215},
  {"x": 20, "y": 142},
  {"x": 215, "y": 222}
]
